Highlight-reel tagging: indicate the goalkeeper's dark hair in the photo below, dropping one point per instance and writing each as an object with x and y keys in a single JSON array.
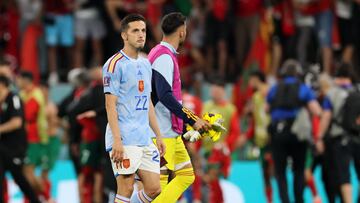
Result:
[
  {"x": 171, "y": 22},
  {"x": 27, "y": 75},
  {"x": 4, "y": 80},
  {"x": 218, "y": 81},
  {"x": 259, "y": 75},
  {"x": 130, "y": 18}
]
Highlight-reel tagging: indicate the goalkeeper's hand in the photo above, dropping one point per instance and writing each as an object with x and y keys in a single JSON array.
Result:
[
  {"x": 216, "y": 122},
  {"x": 192, "y": 135}
]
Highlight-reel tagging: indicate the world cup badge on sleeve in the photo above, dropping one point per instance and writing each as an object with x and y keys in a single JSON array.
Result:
[{"x": 141, "y": 85}]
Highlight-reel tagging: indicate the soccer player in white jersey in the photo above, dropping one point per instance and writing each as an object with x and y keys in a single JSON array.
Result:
[{"x": 131, "y": 116}]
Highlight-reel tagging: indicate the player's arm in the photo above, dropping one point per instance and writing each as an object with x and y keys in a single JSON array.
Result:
[
  {"x": 111, "y": 7},
  {"x": 155, "y": 127},
  {"x": 117, "y": 148},
  {"x": 16, "y": 120},
  {"x": 161, "y": 79},
  {"x": 111, "y": 81}
]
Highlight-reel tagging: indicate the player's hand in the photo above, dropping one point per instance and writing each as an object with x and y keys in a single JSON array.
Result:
[
  {"x": 320, "y": 147},
  {"x": 87, "y": 114},
  {"x": 161, "y": 146},
  {"x": 358, "y": 118},
  {"x": 192, "y": 135},
  {"x": 117, "y": 154},
  {"x": 201, "y": 125}
]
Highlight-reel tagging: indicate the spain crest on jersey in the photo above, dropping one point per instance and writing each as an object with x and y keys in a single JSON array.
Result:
[
  {"x": 141, "y": 85},
  {"x": 126, "y": 163}
]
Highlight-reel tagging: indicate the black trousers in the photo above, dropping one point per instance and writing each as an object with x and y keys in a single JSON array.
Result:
[
  {"x": 285, "y": 144},
  {"x": 13, "y": 162}
]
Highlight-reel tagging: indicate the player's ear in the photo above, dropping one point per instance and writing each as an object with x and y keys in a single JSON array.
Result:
[{"x": 124, "y": 36}]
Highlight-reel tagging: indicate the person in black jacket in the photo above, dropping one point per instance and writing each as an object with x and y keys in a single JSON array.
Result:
[
  {"x": 12, "y": 140},
  {"x": 91, "y": 105},
  {"x": 286, "y": 100}
]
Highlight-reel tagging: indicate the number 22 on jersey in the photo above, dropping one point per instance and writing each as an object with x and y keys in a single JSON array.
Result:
[{"x": 141, "y": 102}]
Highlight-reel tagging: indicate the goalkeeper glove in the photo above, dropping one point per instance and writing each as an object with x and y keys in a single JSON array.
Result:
[{"x": 216, "y": 122}]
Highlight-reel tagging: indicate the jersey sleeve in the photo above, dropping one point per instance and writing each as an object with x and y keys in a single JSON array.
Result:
[
  {"x": 165, "y": 66},
  {"x": 270, "y": 96},
  {"x": 15, "y": 107},
  {"x": 326, "y": 104},
  {"x": 306, "y": 94},
  {"x": 112, "y": 77}
]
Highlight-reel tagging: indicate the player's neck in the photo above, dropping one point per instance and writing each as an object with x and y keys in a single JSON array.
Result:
[
  {"x": 3, "y": 95},
  {"x": 173, "y": 41},
  {"x": 132, "y": 53}
]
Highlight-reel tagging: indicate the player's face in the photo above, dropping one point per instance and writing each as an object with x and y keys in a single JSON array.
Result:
[
  {"x": 135, "y": 35},
  {"x": 20, "y": 82},
  {"x": 182, "y": 34},
  {"x": 217, "y": 93},
  {"x": 253, "y": 82}
]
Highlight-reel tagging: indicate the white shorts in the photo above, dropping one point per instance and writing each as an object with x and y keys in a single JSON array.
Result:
[{"x": 145, "y": 158}]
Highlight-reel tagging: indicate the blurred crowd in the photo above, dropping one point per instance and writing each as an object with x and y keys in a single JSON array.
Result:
[{"x": 242, "y": 44}]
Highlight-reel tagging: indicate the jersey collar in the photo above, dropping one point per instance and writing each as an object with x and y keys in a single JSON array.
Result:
[{"x": 169, "y": 46}]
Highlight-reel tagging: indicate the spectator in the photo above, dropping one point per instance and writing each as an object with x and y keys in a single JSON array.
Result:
[
  {"x": 246, "y": 27},
  {"x": 217, "y": 18},
  {"x": 88, "y": 25},
  {"x": 59, "y": 32},
  {"x": 346, "y": 27},
  {"x": 321, "y": 10},
  {"x": 305, "y": 25}
]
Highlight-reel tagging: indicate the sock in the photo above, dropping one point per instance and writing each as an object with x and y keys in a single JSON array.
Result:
[
  {"x": 121, "y": 199},
  {"x": 5, "y": 192},
  {"x": 163, "y": 181},
  {"x": 183, "y": 179},
  {"x": 47, "y": 189},
  {"x": 216, "y": 195},
  {"x": 311, "y": 184},
  {"x": 268, "y": 191},
  {"x": 140, "y": 197},
  {"x": 196, "y": 188}
]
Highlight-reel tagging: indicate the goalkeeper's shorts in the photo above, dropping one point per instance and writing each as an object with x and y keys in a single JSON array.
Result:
[{"x": 176, "y": 154}]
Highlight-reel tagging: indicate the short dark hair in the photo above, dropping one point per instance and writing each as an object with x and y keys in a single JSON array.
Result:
[
  {"x": 171, "y": 22},
  {"x": 259, "y": 75},
  {"x": 344, "y": 70},
  {"x": 130, "y": 18},
  {"x": 26, "y": 75},
  {"x": 44, "y": 83},
  {"x": 218, "y": 81},
  {"x": 4, "y": 62},
  {"x": 291, "y": 68},
  {"x": 4, "y": 80}
]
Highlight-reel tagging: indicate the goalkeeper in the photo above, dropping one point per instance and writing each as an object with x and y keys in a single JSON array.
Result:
[{"x": 218, "y": 153}]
